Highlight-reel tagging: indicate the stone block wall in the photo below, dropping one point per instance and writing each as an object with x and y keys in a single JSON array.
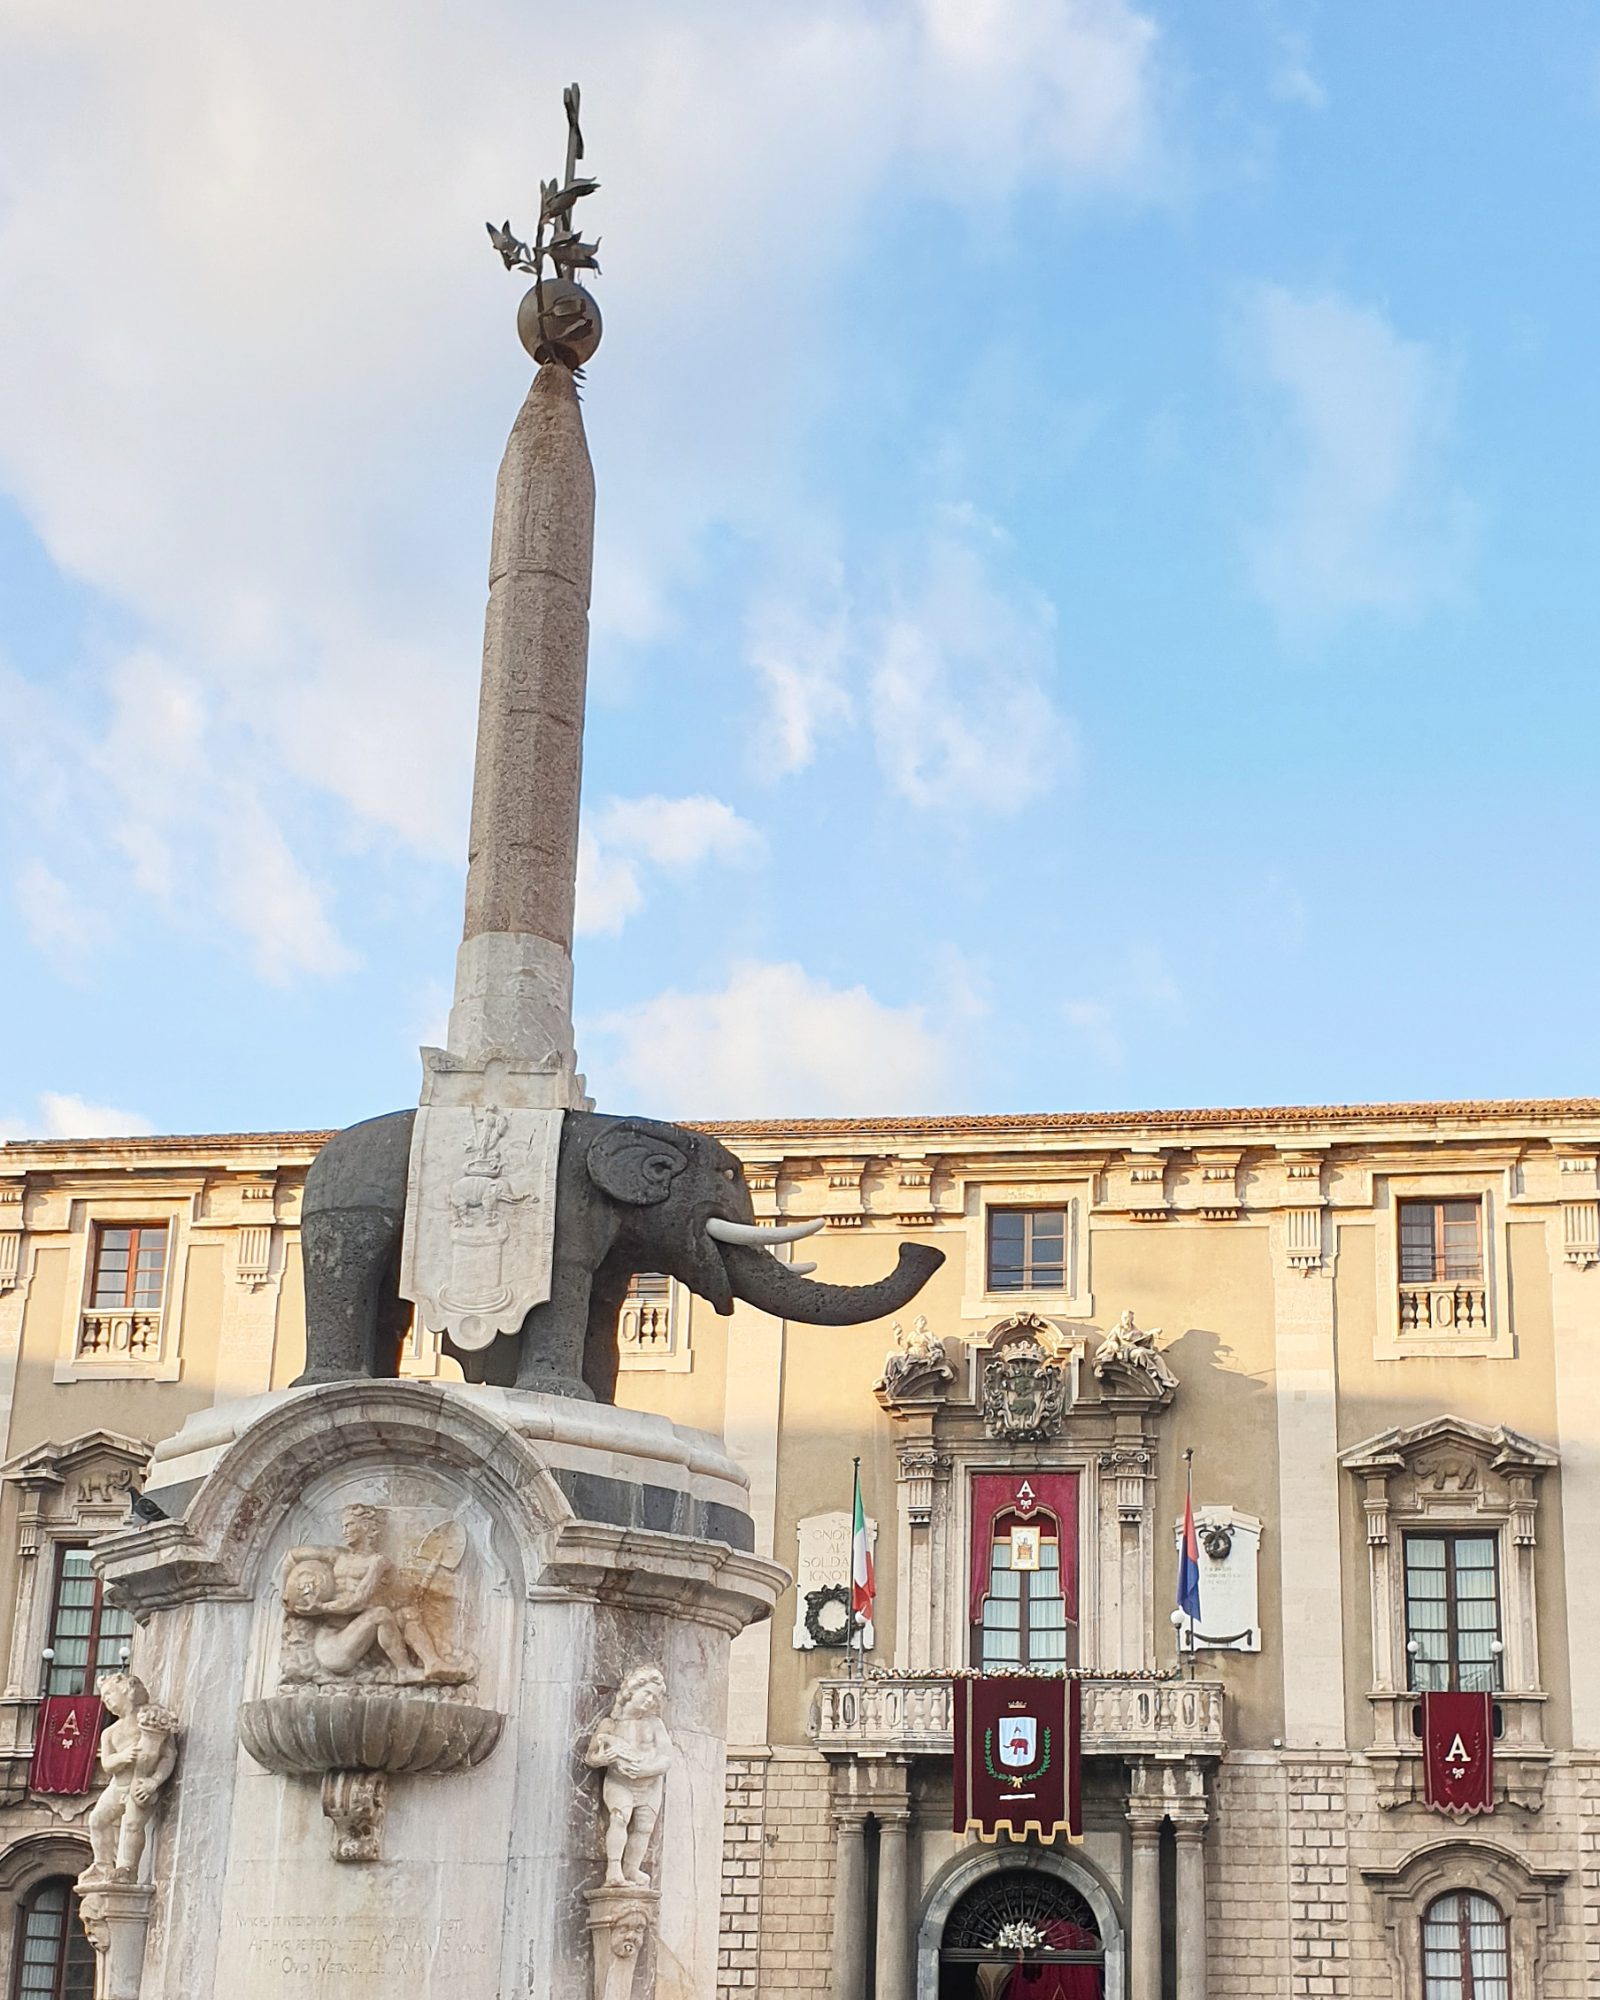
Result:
[
  {"x": 777, "y": 1877},
  {"x": 1290, "y": 1911},
  {"x": 743, "y": 1845}
]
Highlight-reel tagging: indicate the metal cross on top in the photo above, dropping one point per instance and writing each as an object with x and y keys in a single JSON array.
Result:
[{"x": 563, "y": 248}]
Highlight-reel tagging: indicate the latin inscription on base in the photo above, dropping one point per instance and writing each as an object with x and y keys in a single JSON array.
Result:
[{"x": 316, "y": 1951}]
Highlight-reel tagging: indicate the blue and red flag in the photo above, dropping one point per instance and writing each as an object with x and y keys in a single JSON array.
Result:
[{"x": 1189, "y": 1565}]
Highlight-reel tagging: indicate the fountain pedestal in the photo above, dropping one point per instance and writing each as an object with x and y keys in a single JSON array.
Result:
[{"x": 391, "y": 1617}]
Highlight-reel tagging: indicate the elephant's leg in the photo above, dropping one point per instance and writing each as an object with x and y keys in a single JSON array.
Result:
[
  {"x": 553, "y": 1335},
  {"x": 610, "y": 1288},
  {"x": 351, "y": 1220}
]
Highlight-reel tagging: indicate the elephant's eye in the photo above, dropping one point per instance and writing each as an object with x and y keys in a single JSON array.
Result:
[{"x": 730, "y": 1173}]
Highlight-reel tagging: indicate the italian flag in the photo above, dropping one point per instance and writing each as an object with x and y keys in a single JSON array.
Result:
[{"x": 862, "y": 1588}]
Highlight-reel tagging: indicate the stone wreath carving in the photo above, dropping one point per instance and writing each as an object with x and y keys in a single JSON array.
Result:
[{"x": 826, "y": 1631}]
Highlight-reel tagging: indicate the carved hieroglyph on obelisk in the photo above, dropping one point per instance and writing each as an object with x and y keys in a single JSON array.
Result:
[{"x": 480, "y": 1200}]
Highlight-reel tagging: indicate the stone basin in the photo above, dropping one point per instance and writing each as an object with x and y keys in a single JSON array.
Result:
[{"x": 305, "y": 1735}]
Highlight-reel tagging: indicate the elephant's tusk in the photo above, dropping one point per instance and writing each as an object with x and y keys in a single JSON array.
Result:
[
  {"x": 755, "y": 1232},
  {"x": 802, "y": 1270}
]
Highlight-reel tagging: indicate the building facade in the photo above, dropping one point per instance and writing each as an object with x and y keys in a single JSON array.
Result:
[{"x": 1376, "y": 1329}]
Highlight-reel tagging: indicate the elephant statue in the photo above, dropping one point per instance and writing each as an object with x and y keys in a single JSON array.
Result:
[{"x": 632, "y": 1195}]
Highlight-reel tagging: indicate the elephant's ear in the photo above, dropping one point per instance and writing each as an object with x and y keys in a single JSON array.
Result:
[{"x": 634, "y": 1165}]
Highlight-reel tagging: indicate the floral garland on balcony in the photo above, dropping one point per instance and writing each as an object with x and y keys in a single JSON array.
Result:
[{"x": 1135, "y": 1675}]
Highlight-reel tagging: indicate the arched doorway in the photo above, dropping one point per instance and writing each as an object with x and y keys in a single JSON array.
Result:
[{"x": 1022, "y": 1934}]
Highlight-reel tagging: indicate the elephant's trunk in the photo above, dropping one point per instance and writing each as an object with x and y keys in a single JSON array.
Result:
[{"x": 760, "y": 1280}]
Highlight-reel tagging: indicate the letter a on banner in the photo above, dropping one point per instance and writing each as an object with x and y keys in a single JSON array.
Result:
[
  {"x": 1458, "y": 1753},
  {"x": 1017, "y": 1757}
]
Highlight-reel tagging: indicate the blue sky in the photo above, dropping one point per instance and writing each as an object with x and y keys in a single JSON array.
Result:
[{"x": 1095, "y": 594}]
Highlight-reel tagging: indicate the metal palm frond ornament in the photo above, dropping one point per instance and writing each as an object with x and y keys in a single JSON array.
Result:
[{"x": 558, "y": 319}]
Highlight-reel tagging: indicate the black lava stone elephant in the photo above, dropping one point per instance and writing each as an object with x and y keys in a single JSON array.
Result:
[{"x": 631, "y": 1195}]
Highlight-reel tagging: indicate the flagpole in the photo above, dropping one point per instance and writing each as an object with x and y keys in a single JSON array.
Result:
[
  {"x": 858, "y": 1636},
  {"x": 1188, "y": 1467}
]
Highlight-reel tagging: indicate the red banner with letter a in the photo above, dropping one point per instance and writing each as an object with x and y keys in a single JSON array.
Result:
[
  {"x": 1458, "y": 1753},
  {"x": 1017, "y": 1757},
  {"x": 66, "y": 1735}
]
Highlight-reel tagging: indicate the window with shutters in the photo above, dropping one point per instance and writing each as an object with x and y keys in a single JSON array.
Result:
[{"x": 1442, "y": 1286}]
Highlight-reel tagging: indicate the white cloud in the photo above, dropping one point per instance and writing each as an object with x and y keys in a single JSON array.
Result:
[
  {"x": 957, "y": 684},
  {"x": 63, "y": 1116},
  {"x": 1363, "y": 515},
  {"x": 954, "y": 655},
  {"x": 801, "y": 659},
  {"x": 268, "y": 439},
  {"x": 1293, "y": 80},
  {"x": 773, "y": 1041},
  {"x": 676, "y": 835},
  {"x": 63, "y": 928}
]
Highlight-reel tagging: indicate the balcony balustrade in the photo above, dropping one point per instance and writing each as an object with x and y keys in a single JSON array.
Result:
[
  {"x": 910, "y": 1715},
  {"x": 1454, "y": 1308},
  {"x": 113, "y": 1335}
]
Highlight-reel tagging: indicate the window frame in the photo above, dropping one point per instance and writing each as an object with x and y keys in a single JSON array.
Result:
[
  {"x": 1450, "y": 1537},
  {"x": 1435, "y": 1206},
  {"x": 136, "y": 1233},
  {"x": 1029, "y": 1286},
  {"x": 146, "y": 1208},
  {"x": 1049, "y": 1535},
  {"x": 92, "y": 1667},
  {"x": 1466, "y": 1984},
  {"x": 1490, "y": 1335},
  {"x": 72, "y": 1922}
]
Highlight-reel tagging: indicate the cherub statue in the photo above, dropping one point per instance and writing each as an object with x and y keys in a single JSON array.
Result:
[
  {"x": 632, "y": 1747},
  {"x": 1134, "y": 1347},
  {"x": 356, "y": 1602},
  {"x": 137, "y": 1753}
]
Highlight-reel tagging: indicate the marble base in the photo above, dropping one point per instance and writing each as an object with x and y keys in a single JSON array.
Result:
[{"x": 592, "y": 1540}]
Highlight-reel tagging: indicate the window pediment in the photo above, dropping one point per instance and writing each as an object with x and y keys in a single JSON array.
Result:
[{"x": 1449, "y": 1469}]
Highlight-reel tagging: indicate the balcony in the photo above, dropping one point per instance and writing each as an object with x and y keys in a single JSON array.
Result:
[
  {"x": 909, "y": 1716},
  {"x": 1446, "y": 1308},
  {"x": 120, "y": 1335}
]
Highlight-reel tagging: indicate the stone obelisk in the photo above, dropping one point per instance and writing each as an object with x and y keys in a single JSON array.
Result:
[{"x": 480, "y": 1199}]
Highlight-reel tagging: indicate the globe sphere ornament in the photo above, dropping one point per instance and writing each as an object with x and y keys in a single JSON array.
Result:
[{"x": 559, "y": 321}]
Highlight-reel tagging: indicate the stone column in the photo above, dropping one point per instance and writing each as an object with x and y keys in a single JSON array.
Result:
[
  {"x": 850, "y": 1907},
  {"x": 1144, "y": 1904},
  {"x": 894, "y": 1920},
  {"x": 1191, "y": 1909}
]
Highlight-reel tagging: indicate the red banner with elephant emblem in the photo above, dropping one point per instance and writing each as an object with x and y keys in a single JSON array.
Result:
[
  {"x": 1017, "y": 1757},
  {"x": 1458, "y": 1753}
]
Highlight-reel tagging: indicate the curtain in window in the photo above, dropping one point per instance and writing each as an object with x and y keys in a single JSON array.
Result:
[
  {"x": 1466, "y": 1952},
  {"x": 55, "y": 1961},
  {"x": 1027, "y": 1495}
]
